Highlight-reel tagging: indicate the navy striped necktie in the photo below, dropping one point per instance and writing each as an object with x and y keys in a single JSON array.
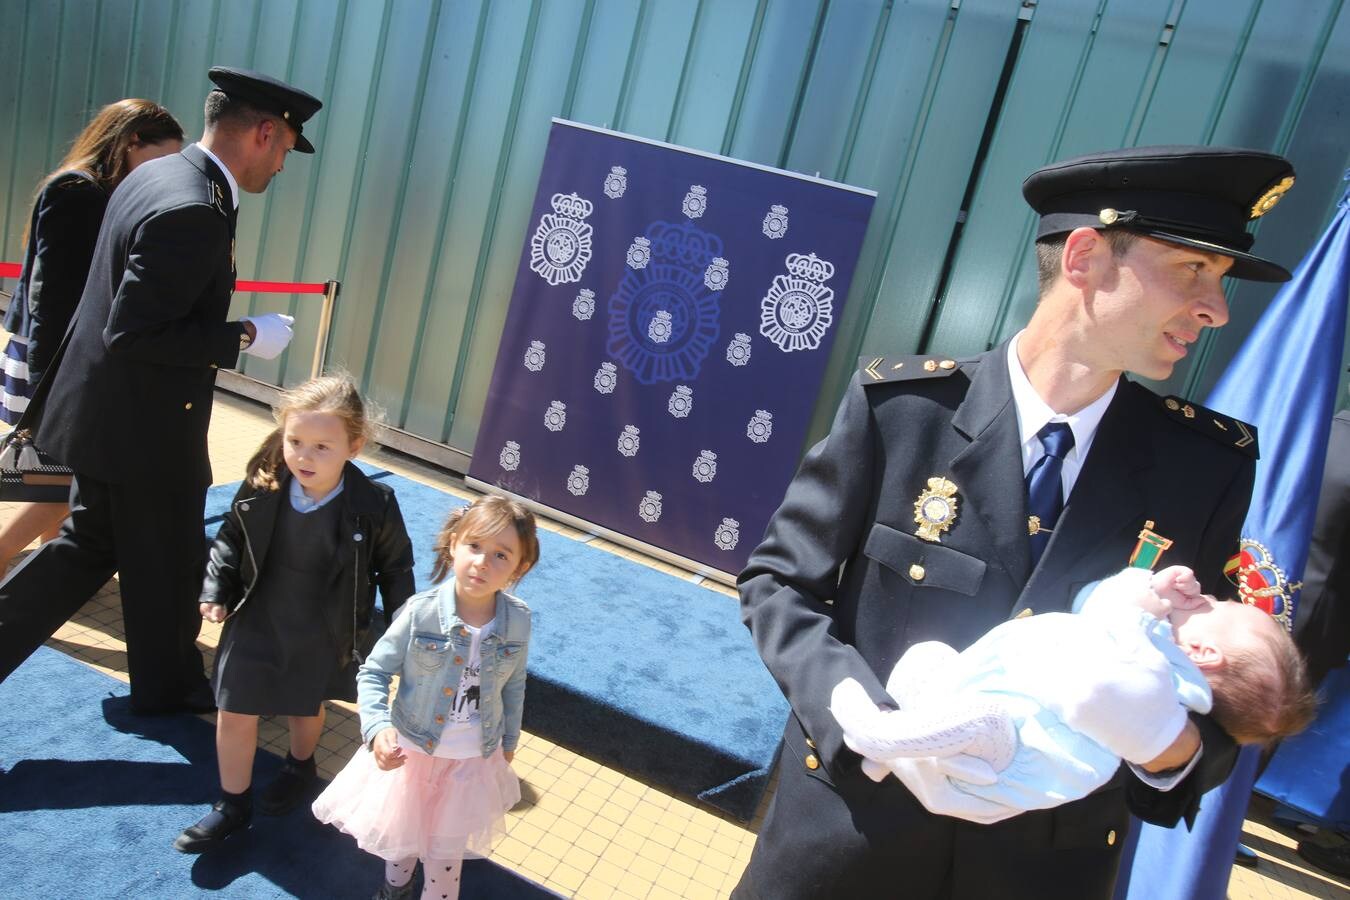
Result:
[{"x": 1045, "y": 486}]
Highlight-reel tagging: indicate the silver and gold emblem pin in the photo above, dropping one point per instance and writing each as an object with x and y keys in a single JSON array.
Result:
[{"x": 935, "y": 510}]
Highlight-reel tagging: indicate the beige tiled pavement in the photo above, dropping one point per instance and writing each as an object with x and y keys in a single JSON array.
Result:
[{"x": 583, "y": 829}]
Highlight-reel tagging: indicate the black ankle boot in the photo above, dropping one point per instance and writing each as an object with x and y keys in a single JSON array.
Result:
[
  {"x": 290, "y": 788},
  {"x": 231, "y": 813}
]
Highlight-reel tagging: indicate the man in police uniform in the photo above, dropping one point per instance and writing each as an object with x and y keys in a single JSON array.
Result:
[
  {"x": 130, "y": 402},
  {"x": 1133, "y": 246}
]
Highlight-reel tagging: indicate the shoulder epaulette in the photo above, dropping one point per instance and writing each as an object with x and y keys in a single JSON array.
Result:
[
  {"x": 1224, "y": 429},
  {"x": 882, "y": 369}
]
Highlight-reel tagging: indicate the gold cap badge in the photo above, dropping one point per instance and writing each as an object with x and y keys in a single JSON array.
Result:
[
  {"x": 1267, "y": 201},
  {"x": 935, "y": 510}
]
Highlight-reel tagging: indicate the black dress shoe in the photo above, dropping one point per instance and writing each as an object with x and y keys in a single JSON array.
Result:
[
  {"x": 1335, "y": 860},
  {"x": 225, "y": 818},
  {"x": 292, "y": 786}
]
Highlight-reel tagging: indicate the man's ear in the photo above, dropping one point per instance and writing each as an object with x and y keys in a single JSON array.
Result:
[
  {"x": 266, "y": 132},
  {"x": 1206, "y": 656},
  {"x": 1083, "y": 253}
]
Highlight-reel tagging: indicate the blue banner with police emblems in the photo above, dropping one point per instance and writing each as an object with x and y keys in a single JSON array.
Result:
[{"x": 672, "y": 316}]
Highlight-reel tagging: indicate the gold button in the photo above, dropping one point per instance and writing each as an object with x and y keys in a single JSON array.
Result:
[
  {"x": 1108, "y": 216},
  {"x": 1026, "y": 612},
  {"x": 187, "y": 406},
  {"x": 947, "y": 364},
  {"x": 449, "y": 691},
  {"x": 916, "y": 572},
  {"x": 930, "y": 365},
  {"x": 440, "y": 720},
  {"x": 430, "y": 744},
  {"x": 810, "y": 743},
  {"x": 1111, "y": 838},
  {"x": 459, "y": 660},
  {"x": 811, "y": 762}
]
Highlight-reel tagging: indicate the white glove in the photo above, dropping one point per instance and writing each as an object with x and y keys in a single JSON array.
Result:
[{"x": 273, "y": 334}]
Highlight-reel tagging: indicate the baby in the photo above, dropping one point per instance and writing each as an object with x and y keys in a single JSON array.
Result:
[{"x": 1041, "y": 710}]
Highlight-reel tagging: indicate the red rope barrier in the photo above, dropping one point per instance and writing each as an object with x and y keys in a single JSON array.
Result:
[
  {"x": 13, "y": 270},
  {"x": 280, "y": 287}
]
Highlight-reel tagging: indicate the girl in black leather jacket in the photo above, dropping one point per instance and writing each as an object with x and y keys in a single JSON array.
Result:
[{"x": 292, "y": 574}]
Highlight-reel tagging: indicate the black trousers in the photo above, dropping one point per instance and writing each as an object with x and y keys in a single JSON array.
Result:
[{"x": 151, "y": 534}]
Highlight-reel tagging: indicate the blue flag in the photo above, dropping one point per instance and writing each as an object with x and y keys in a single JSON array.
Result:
[{"x": 1284, "y": 380}]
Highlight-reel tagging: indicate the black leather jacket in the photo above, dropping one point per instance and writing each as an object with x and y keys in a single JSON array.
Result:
[{"x": 374, "y": 551}]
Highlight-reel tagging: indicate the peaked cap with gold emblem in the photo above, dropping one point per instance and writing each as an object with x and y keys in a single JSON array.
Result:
[
  {"x": 1200, "y": 197},
  {"x": 271, "y": 95}
]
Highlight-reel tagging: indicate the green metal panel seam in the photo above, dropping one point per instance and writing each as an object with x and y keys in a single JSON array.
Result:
[
  {"x": 743, "y": 82},
  {"x": 625, "y": 85},
  {"x": 678, "y": 105},
  {"x": 18, "y": 114},
  {"x": 213, "y": 35},
  {"x": 447, "y": 197},
  {"x": 56, "y": 77},
  {"x": 171, "y": 45},
  {"x": 254, "y": 27},
  {"x": 490, "y": 223},
  {"x": 396, "y": 217},
  {"x": 135, "y": 50},
  {"x": 97, "y": 31},
  {"x": 1065, "y": 111},
  {"x": 902, "y": 179},
  {"x": 864, "y": 93},
  {"x": 311, "y": 190},
  {"x": 266, "y": 227},
  {"x": 578, "y": 56},
  {"x": 358, "y": 179},
  {"x": 803, "y": 82},
  {"x": 1144, "y": 101}
]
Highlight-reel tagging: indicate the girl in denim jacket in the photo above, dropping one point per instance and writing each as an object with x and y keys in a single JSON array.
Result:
[{"x": 433, "y": 780}]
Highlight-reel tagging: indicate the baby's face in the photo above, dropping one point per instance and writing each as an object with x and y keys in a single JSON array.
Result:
[{"x": 1223, "y": 624}]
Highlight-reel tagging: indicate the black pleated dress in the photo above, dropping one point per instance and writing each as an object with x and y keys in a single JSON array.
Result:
[{"x": 279, "y": 653}]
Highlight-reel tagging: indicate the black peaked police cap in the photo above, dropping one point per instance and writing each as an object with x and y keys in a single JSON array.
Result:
[
  {"x": 270, "y": 95},
  {"x": 1200, "y": 197}
]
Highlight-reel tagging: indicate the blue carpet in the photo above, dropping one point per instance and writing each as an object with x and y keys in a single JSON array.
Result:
[
  {"x": 630, "y": 667},
  {"x": 92, "y": 797}
]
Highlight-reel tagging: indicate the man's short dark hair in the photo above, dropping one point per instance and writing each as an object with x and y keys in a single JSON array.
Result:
[
  {"x": 1050, "y": 250},
  {"x": 231, "y": 113}
]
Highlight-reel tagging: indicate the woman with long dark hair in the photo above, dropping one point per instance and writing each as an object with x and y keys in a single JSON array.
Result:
[{"x": 59, "y": 240}]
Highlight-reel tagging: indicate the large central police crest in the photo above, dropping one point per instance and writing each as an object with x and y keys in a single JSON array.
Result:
[
  {"x": 798, "y": 308},
  {"x": 561, "y": 244},
  {"x": 663, "y": 317}
]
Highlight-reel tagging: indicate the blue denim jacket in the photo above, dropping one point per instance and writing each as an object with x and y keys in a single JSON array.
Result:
[{"x": 427, "y": 646}]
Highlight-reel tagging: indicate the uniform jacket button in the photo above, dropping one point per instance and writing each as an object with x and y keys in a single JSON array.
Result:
[
  {"x": 811, "y": 762},
  {"x": 187, "y": 406},
  {"x": 1111, "y": 838},
  {"x": 917, "y": 572}
]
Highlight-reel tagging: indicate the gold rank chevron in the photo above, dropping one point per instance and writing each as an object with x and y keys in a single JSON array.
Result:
[
  {"x": 872, "y": 368},
  {"x": 1246, "y": 435}
]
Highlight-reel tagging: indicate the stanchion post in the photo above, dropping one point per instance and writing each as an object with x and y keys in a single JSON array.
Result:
[{"x": 330, "y": 293}]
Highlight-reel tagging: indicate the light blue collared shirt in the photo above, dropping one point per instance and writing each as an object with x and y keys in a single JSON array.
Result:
[{"x": 300, "y": 501}]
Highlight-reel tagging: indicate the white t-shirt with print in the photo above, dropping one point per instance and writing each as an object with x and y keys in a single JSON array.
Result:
[{"x": 462, "y": 737}]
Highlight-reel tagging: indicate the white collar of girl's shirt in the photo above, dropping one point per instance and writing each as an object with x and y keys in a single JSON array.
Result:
[
  {"x": 1033, "y": 413},
  {"x": 300, "y": 501}
]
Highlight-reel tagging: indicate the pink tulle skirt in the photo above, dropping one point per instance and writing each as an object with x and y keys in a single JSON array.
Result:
[{"x": 429, "y": 807}]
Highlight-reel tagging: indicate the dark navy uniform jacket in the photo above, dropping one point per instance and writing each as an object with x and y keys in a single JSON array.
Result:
[
  {"x": 131, "y": 399},
  {"x": 841, "y": 586}
]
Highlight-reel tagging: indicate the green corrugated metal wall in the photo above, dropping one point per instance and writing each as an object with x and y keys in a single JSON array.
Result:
[{"x": 437, "y": 114}]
